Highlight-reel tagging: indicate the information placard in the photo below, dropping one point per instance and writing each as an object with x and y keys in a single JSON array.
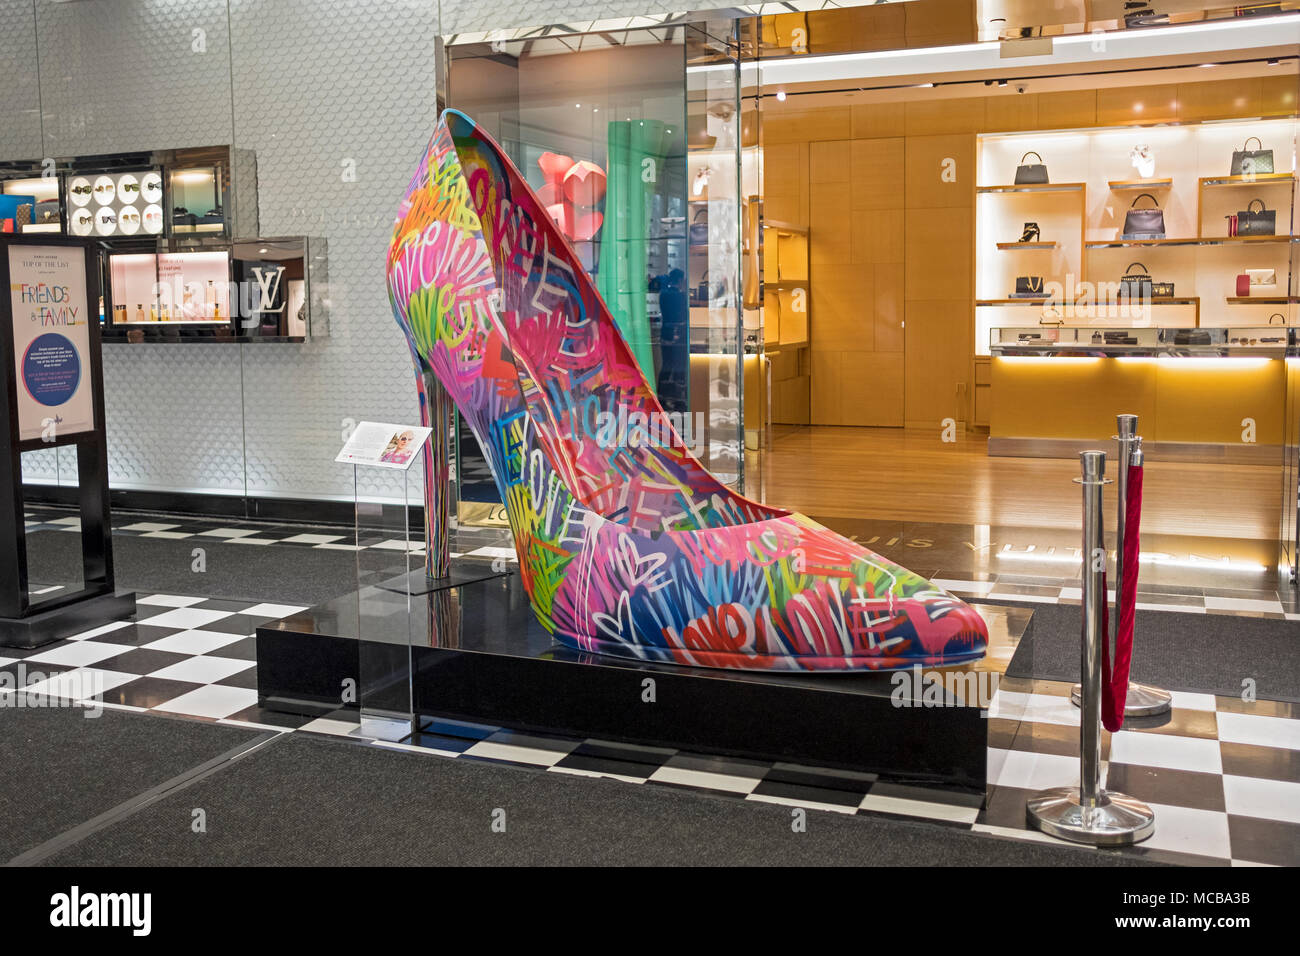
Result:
[
  {"x": 384, "y": 445},
  {"x": 51, "y": 313}
]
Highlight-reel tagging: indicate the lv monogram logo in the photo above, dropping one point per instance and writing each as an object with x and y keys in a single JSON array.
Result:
[{"x": 268, "y": 286}]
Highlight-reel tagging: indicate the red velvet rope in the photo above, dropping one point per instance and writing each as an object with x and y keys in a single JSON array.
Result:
[{"x": 1114, "y": 682}]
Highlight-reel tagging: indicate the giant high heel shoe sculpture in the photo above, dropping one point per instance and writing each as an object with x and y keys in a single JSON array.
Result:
[{"x": 625, "y": 547}]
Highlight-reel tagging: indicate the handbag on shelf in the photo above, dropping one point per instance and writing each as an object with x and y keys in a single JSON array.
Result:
[
  {"x": 46, "y": 212},
  {"x": 1232, "y": 225},
  {"x": 1031, "y": 174},
  {"x": 1030, "y": 287},
  {"x": 1243, "y": 285},
  {"x": 1138, "y": 13},
  {"x": 1135, "y": 285},
  {"x": 1144, "y": 223},
  {"x": 1162, "y": 290},
  {"x": 1261, "y": 222},
  {"x": 699, "y": 231},
  {"x": 1248, "y": 162}
]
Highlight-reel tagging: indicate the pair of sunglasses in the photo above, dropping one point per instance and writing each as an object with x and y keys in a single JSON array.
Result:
[
  {"x": 109, "y": 218},
  {"x": 130, "y": 217},
  {"x": 83, "y": 190},
  {"x": 104, "y": 189},
  {"x": 131, "y": 188},
  {"x": 85, "y": 219}
]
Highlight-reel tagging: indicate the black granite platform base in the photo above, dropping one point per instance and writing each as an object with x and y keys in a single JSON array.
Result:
[
  {"x": 476, "y": 652},
  {"x": 64, "y": 620}
]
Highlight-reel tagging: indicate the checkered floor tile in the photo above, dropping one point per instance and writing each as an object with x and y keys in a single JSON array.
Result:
[
  {"x": 485, "y": 542},
  {"x": 1223, "y": 775}
]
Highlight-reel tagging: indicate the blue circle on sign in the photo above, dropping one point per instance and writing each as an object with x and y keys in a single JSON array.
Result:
[{"x": 51, "y": 369}]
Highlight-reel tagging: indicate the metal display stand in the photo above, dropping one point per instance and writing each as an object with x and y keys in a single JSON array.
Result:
[
  {"x": 1143, "y": 700},
  {"x": 1088, "y": 813},
  {"x": 24, "y": 622}
]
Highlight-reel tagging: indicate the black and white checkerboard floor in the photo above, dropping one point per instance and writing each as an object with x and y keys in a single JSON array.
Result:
[
  {"x": 1223, "y": 775},
  {"x": 1197, "y": 596},
  {"x": 481, "y": 542}
]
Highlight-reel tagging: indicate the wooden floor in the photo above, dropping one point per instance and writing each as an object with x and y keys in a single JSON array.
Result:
[{"x": 914, "y": 476}]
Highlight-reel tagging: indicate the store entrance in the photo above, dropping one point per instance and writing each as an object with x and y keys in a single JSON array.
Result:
[{"x": 973, "y": 323}]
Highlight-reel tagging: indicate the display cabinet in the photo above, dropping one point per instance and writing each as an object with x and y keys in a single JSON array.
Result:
[
  {"x": 261, "y": 290},
  {"x": 209, "y": 191},
  {"x": 1144, "y": 226}
]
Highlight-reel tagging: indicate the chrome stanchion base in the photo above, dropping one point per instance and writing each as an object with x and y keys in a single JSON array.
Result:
[
  {"x": 1143, "y": 700},
  {"x": 1119, "y": 820}
]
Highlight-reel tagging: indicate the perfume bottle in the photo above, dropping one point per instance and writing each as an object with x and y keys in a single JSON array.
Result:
[
  {"x": 139, "y": 312},
  {"x": 153, "y": 313},
  {"x": 210, "y": 299}
]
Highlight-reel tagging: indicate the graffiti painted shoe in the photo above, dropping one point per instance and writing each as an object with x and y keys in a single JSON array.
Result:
[{"x": 627, "y": 545}]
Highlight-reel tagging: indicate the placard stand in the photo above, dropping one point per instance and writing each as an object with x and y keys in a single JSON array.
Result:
[{"x": 23, "y": 622}]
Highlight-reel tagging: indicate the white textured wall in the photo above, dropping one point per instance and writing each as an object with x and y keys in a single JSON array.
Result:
[{"x": 315, "y": 83}]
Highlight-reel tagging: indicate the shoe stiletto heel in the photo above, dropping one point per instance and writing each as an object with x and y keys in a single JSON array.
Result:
[
  {"x": 1031, "y": 233},
  {"x": 627, "y": 546}
]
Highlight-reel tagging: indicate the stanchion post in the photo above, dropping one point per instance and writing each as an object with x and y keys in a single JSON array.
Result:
[
  {"x": 1142, "y": 700},
  {"x": 1088, "y": 813},
  {"x": 1094, "y": 601}
]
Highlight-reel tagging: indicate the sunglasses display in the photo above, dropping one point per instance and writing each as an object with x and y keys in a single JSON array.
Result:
[
  {"x": 79, "y": 191},
  {"x": 105, "y": 191},
  {"x": 114, "y": 211}
]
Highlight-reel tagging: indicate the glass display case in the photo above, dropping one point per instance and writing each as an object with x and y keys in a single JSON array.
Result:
[
  {"x": 267, "y": 290},
  {"x": 1260, "y": 342}
]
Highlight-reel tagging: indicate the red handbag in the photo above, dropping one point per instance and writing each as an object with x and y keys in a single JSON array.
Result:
[{"x": 1243, "y": 285}]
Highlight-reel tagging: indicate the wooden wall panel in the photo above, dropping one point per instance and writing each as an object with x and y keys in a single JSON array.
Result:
[
  {"x": 939, "y": 254},
  {"x": 937, "y": 360},
  {"x": 878, "y": 236},
  {"x": 785, "y": 182},
  {"x": 1208, "y": 101},
  {"x": 843, "y": 305},
  {"x": 1149, "y": 104},
  {"x": 1010, "y": 112},
  {"x": 871, "y": 389},
  {"x": 873, "y": 120},
  {"x": 1066, "y": 109},
  {"x": 928, "y": 117},
  {"x": 940, "y": 22},
  {"x": 806, "y": 126},
  {"x": 925, "y": 186},
  {"x": 828, "y": 161},
  {"x": 1278, "y": 95},
  {"x": 875, "y": 170},
  {"x": 824, "y": 388},
  {"x": 830, "y": 221},
  {"x": 887, "y": 289}
]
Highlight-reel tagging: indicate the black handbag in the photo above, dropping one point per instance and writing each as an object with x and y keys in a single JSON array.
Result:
[
  {"x": 1031, "y": 174},
  {"x": 1248, "y": 162},
  {"x": 1135, "y": 285},
  {"x": 1138, "y": 13},
  {"x": 46, "y": 212},
  {"x": 1162, "y": 290},
  {"x": 1030, "y": 287},
  {"x": 1144, "y": 223},
  {"x": 699, "y": 231},
  {"x": 1261, "y": 223}
]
